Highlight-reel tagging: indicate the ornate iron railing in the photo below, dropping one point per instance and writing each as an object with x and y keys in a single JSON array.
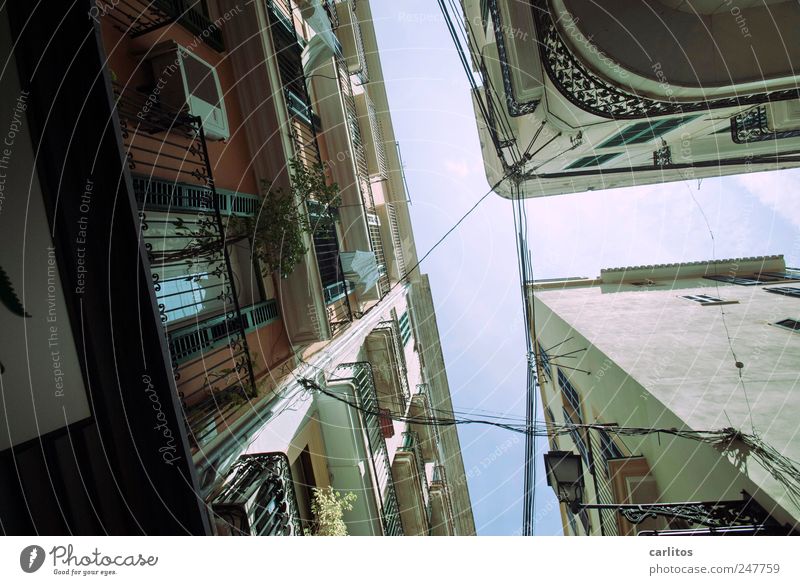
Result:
[
  {"x": 139, "y": 17},
  {"x": 591, "y": 93},
  {"x": 662, "y": 156},
  {"x": 189, "y": 342},
  {"x": 330, "y": 10},
  {"x": 360, "y": 373},
  {"x": 716, "y": 515},
  {"x": 282, "y": 13},
  {"x": 515, "y": 108},
  {"x": 362, "y": 170},
  {"x": 376, "y": 129},
  {"x": 335, "y": 288},
  {"x": 158, "y": 194},
  {"x": 303, "y": 124},
  {"x": 191, "y": 270},
  {"x": 753, "y": 126},
  {"x": 397, "y": 242},
  {"x": 258, "y": 498},
  {"x": 363, "y": 72}
]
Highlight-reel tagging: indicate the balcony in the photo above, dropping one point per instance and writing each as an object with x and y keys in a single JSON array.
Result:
[
  {"x": 359, "y": 376},
  {"x": 139, "y": 17},
  {"x": 372, "y": 132},
  {"x": 258, "y": 499},
  {"x": 193, "y": 273},
  {"x": 171, "y": 196},
  {"x": 303, "y": 125},
  {"x": 359, "y": 155},
  {"x": 572, "y": 69},
  {"x": 420, "y": 408},
  {"x": 442, "y": 517},
  {"x": 352, "y": 41},
  {"x": 385, "y": 353},
  {"x": 411, "y": 481}
]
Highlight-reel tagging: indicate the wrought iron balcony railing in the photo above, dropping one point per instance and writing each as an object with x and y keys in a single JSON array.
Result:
[
  {"x": 362, "y": 170},
  {"x": 335, "y": 287},
  {"x": 191, "y": 270},
  {"x": 303, "y": 124},
  {"x": 158, "y": 194},
  {"x": 363, "y": 72},
  {"x": 188, "y": 343},
  {"x": 753, "y": 126},
  {"x": 590, "y": 92},
  {"x": 330, "y": 10},
  {"x": 139, "y": 17},
  {"x": 360, "y": 373},
  {"x": 258, "y": 498},
  {"x": 282, "y": 13}
]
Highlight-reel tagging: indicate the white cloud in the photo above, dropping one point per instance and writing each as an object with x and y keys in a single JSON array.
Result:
[
  {"x": 777, "y": 191},
  {"x": 459, "y": 168}
]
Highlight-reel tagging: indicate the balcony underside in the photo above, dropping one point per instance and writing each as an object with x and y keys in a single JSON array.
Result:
[
  {"x": 419, "y": 408},
  {"x": 441, "y": 516},
  {"x": 693, "y": 46},
  {"x": 382, "y": 355},
  {"x": 413, "y": 511}
]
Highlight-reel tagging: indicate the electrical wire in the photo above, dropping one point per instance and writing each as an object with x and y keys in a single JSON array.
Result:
[
  {"x": 729, "y": 441},
  {"x": 739, "y": 365}
]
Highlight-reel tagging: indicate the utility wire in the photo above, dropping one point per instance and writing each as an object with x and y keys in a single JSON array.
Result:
[
  {"x": 739, "y": 365},
  {"x": 729, "y": 441}
]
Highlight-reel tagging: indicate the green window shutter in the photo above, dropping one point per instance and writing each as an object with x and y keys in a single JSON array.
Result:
[
  {"x": 592, "y": 161},
  {"x": 646, "y": 131}
]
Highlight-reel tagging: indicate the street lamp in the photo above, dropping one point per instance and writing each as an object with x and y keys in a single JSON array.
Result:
[{"x": 565, "y": 476}]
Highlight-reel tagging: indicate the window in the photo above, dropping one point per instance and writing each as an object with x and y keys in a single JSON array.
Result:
[
  {"x": 789, "y": 324},
  {"x": 583, "y": 515},
  {"x": 551, "y": 420},
  {"x": 545, "y": 361},
  {"x": 608, "y": 449},
  {"x": 572, "y": 524},
  {"x": 577, "y": 437},
  {"x": 405, "y": 328},
  {"x": 185, "y": 296},
  {"x": 572, "y": 396},
  {"x": 587, "y": 525},
  {"x": 592, "y": 161},
  {"x": 789, "y": 291},
  {"x": 707, "y": 300},
  {"x": 743, "y": 281},
  {"x": 642, "y": 132},
  {"x": 789, "y": 274}
]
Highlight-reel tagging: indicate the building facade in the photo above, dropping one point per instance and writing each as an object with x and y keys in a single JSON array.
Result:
[
  {"x": 215, "y": 125},
  {"x": 574, "y": 96},
  {"x": 648, "y": 347}
]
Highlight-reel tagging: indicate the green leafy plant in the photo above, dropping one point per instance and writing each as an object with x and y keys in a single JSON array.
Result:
[
  {"x": 328, "y": 507},
  {"x": 275, "y": 232}
]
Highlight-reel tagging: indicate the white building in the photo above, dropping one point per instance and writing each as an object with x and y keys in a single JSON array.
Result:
[
  {"x": 574, "y": 96},
  {"x": 649, "y": 347}
]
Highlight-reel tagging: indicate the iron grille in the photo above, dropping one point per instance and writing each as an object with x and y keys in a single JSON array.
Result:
[
  {"x": 360, "y": 374},
  {"x": 258, "y": 498}
]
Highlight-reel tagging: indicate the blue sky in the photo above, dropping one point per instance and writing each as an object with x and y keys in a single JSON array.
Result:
[{"x": 474, "y": 273}]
